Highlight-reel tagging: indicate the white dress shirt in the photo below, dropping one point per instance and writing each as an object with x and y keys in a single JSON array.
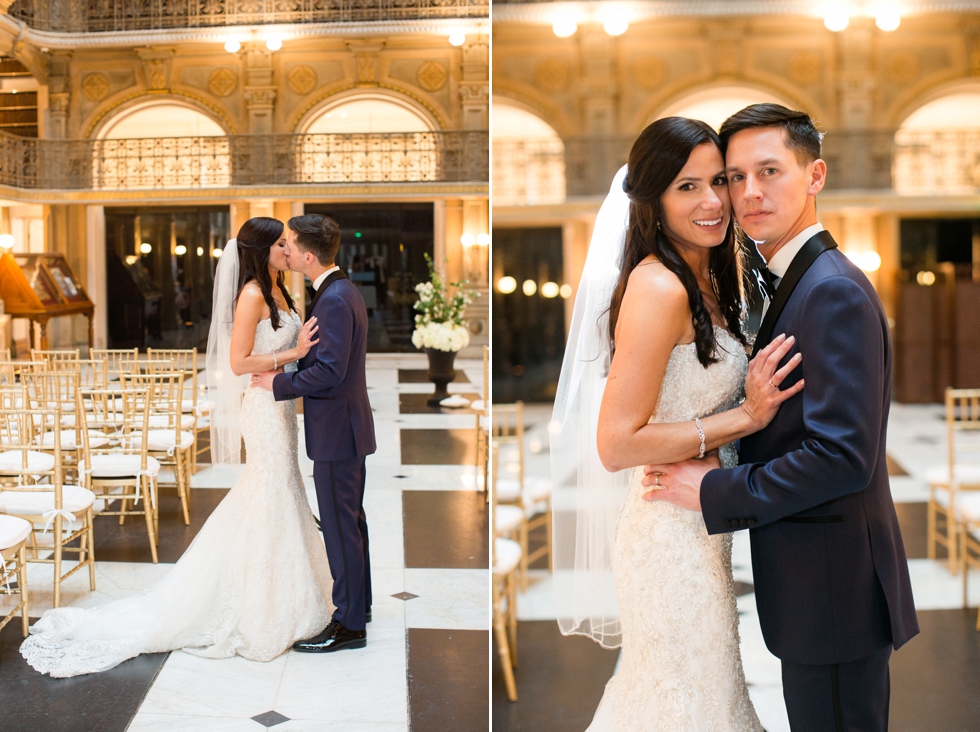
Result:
[
  {"x": 782, "y": 259},
  {"x": 319, "y": 280}
]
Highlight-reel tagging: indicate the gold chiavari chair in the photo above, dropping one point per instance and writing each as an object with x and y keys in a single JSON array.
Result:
[
  {"x": 69, "y": 354},
  {"x": 114, "y": 358},
  {"x": 961, "y": 473},
  {"x": 970, "y": 554},
  {"x": 506, "y": 559},
  {"x": 5, "y": 354},
  {"x": 168, "y": 442},
  {"x": 124, "y": 471},
  {"x": 532, "y": 495},
  {"x": 482, "y": 409},
  {"x": 185, "y": 360},
  {"x": 34, "y": 489},
  {"x": 13, "y": 548}
]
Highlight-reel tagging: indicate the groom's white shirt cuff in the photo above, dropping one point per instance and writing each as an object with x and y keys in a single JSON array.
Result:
[
  {"x": 319, "y": 280},
  {"x": 784, "y": 257}
]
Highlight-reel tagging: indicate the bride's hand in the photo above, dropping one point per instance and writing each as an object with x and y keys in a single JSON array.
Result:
[
  {"x": 305, "y": 341},
  {"x": 762, "y": 393}
]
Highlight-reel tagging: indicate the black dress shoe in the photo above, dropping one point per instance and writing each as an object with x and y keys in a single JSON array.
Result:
[
  {"x": 341, "y": 639},
  {"x": 319, "y": 639}
]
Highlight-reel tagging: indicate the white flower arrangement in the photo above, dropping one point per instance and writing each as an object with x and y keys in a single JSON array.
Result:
[{"x": 439, "y": 322}]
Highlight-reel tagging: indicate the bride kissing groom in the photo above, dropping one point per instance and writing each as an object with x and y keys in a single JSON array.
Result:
[{"x": 658, "y": 497}]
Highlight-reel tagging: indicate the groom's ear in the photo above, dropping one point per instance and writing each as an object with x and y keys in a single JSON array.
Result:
[{"x": 818, "y": 177}]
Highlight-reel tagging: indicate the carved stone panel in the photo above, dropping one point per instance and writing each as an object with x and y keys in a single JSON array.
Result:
[
  {"x": 95, "y": 87},
  {"x": 432, "y": 76},
  {"x": 222, "y": 82},
  {"x": 552, "y": 75},
  {"x": 301, "y": 79}
]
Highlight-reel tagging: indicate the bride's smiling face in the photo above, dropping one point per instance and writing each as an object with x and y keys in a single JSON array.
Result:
[
  {"x": 279, "y": 255},
  {"x": 696, "y": 207}
]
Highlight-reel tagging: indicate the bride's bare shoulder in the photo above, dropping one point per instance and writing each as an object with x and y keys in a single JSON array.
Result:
[{"x": 650, "y": 278}]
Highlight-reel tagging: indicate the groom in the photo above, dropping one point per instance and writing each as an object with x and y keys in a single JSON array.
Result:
[
  {"x": 338, "y": 423},
  {"x": 831, "y": 578}
]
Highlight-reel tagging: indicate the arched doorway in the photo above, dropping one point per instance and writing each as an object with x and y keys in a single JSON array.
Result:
[
  {"x": 368, "y": 139},
  {"x": 161, "y": 144},
  {"x": 528, "y": 157}
]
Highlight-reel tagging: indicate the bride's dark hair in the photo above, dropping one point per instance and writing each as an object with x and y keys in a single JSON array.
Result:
[
  {"x": 255, "y": 239},
  {"x": 657, "y": 157}
]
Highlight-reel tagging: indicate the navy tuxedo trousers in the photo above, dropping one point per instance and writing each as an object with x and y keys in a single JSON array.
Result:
[{"x": 340, "y": 495}]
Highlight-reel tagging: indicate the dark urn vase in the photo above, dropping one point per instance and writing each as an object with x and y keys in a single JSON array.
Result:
[{"x": 440, "y": 373}]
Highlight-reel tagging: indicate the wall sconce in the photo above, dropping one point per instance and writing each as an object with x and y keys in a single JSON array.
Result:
[
  {"x": 458, "y": 38},
  {"x": 467, "y": 240},
  {"x": 274, "y": 43},
  {"x": 6, "y": 242},
  {"x": 483, "y": 240},
  {"x": 616, "y": 23},
  {"x": 200, "y": 251},
  {"x": 233, "y": 45},
  {"x": 216, "y": 253},
  {"x": 529, "y": 287},
  {"x": 868, "y": 261},
  {"x": 565, "y": 291},
  {"x": 132, "y": 259},
  {"x": 180, "y": 250},
  {"x": 506, "y": 285},
  {"x": 926, "y": 278},
  {"x": 564, "y": 26},
  {"x": 550, "y": 290},
  {"x": 146, "y": 248},
  {"x": 836, "y": 19}
]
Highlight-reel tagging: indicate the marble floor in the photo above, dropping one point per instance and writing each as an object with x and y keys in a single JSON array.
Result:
[
  {"x": 425, "y": 665},
  {"x": 935, "y": 677}
]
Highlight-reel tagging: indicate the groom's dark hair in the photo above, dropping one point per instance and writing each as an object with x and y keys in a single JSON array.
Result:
[
  {"x": 318, "y": 234},
  {"x": 802, "y": 136}
]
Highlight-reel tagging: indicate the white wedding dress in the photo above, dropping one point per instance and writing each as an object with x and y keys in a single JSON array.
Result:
[
  {"x": 680, "y": 665},
  {"x": 253, "y": 581}
]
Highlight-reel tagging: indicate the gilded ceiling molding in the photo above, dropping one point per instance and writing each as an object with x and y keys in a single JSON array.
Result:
[
  {"x": 100, "y": 114},
  {"x": 219, "y": 34}
]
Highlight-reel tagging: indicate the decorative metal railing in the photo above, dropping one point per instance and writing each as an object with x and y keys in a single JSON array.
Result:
[
  {"x": 244, "y": 160},
  {"x": 90, "y": 16},
  {"x": 932, "y": 162}
]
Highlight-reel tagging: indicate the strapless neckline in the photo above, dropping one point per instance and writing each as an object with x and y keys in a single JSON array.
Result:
[{"x": 290, "y": 313}]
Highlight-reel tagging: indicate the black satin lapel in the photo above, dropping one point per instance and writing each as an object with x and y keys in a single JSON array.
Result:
[
  {"x": 332, "y": 277},
  {"x": 814, "y": 247}
]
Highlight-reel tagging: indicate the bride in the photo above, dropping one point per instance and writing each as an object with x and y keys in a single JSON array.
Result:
[
  {"x": 657, "y": 330},
  {"x": 256, "y": 578}
]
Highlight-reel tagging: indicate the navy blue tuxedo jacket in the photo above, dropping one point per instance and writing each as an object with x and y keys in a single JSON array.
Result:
[
  {"x": 831, "y": 578},
  {"x": 331, "y": 378}
]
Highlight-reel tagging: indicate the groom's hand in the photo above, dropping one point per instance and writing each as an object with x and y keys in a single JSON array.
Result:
[
  {"x": 264, "y": 380},
  {"x": 679, "y": 483}
]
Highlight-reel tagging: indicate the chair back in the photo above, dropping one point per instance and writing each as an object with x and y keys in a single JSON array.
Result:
[
  {"x": 507, "y": 431},
  {"x": 8, "y": 372},
  {"x": 114, "y": 357},
  {"x": 963, "y": 430},
  {"x": 19, "y": 433},
  {"x": 146, "y": 366},
  {"x": 62, "y": 355},
  {"x": 164, "y": 393},
  {"x": 184, "y": 359}
]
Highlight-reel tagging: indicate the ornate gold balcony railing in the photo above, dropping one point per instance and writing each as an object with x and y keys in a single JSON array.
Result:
[
  {"x": 919, "y": 162},
  {"x": 91, "y": 16},
  {"x": 244, "y": 160}
]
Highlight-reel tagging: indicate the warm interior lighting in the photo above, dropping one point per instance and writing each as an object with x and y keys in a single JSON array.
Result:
[
  {"x": 200, "y": 251},
  {"x": 565, "y": 291},
  {"x": 233, "y": 45},
  {"x": 180, "y": 250},
  {"x": 616, "y": 25},
  {"x": 483, "y": 240},
  {"x": 458, "y": 38},
  {"x": 274, "y": 43},
  {"x": 6, "y": 241},
  {"x": 529, "y": 287},
  {"x": 926, "y": 278},
  {"x": 564, "y": 27},
  {"x": 146, "y": 248},
  {"x": 870, "y": 261},
  {"x": 506, "y": 285},
  {"x": 836, "y": 20},
  {"x": 131, "y": 259},
  {"x": 888, "y": 19},
  {"x": 467, "y": 240},
  {"x": 217, "y": 253},
  {"x": 550, "y": 289}
]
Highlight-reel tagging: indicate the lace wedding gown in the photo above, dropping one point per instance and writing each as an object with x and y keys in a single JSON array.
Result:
[
  {"x": 680, "y": 666},
  {"x": 253, "y": 581}
]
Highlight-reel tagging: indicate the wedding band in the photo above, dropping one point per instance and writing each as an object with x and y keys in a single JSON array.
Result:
[
  {"x": 656, "y": 478},
  {"x": 772, "y": 385}
]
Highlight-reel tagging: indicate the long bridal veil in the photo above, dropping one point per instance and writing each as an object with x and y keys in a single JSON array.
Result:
[
  {"x": 585, "y": 594},
  {"x": 225, "y": 390}
]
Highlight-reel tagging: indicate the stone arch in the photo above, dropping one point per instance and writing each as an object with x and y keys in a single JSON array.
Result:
[
  {"x": 528, "y": 156},
  {"x": 334, "y": 101},
  {"x": 716, "y": 100},
  {"x": 114, "y": 114},
  {"x": 962, "y": 87},
  {"x": 528, "y": 99}
]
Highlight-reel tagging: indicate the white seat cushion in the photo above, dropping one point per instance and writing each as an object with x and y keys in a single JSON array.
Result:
[
  {"x": 160, "y": 421},
  {"x": 477, "y": 405},
  {"x": 535, "y": 489},
  {"x": 74, "y": 499},
  {"x": 13, "y": 531},
  {"x": 508, "y": 519},
  {"x": 95, "y": 439},
  {"x": 507, "y": 555},
  {"x": 963, "y": 474},
  {"x": 162, "y": 440},
  {"x": 13, "y": 460},
  {"x": 119, "y": 466}
]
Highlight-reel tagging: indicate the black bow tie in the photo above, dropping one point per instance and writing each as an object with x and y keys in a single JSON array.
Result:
[{"x": 767, "y": 282}]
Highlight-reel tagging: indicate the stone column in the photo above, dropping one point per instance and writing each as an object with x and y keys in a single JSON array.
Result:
[
  {"x": 95, "y": 281},
  {"x": 59, "y": 96},
  {"x": 474, "y": 89},
  {"x": 260, "y": 91},
  {"x": 475, "y": 267}
]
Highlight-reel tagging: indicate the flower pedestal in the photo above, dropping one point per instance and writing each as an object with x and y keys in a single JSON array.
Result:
[{"x": 441, "y": 372}]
